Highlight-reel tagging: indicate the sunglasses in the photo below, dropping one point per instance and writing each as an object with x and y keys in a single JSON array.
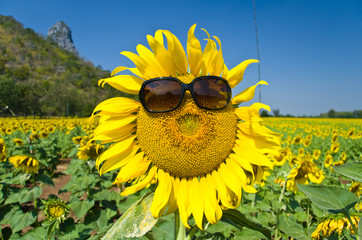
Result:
[{"x": 165, "y": 94}]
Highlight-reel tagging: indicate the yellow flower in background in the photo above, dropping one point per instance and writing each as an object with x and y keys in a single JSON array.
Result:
[
  {"x": 25, "y": 163},
  {"x": 55, "y": 209},
  {"x": 306, "y": 142},
  {"x": 334, "y": 225},
  {"x": 18, "y": 141},
  {"x": 328, "y": 161},
  {"x": 77, "y": 139},
  {"x": 316, "y": 154},
  {"x": 334, "y": 138},
  {"x": 280, "y": 159},
  {"x": 34, "y": 136},
  {"x": 90, "y": 150},
  {"x": 2, "y": 150},
  {"x": 343, "y": 156},
  {"x": 9, "y": 131},
  {"x": 200, "y": 159},
  {"x": 335, "y": 147},
  {"x": 356, "y": 188},
  {"x": 304, "y": 171},
  {"x": 297, "y": 140},
  {"x": 301, "y": 152},
  {"x": 50, "y": 129},
  {"x": 43, "y": 134}
]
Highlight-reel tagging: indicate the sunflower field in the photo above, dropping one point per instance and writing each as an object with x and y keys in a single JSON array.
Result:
[{"x": 51, "y": 189}]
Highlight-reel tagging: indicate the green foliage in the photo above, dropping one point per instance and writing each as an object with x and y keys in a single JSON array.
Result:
[
  {"x": 135, "y": 222},
  {"x": 38, "y": 78},
  {"x": 350, "y": 170},
  {"x": 331, "y": 199}
]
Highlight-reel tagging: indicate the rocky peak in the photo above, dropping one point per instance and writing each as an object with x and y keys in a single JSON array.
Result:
[{"x": 61, "y": 34}]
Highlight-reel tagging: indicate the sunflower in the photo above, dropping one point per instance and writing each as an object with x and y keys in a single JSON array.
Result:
[
  {"x": 316, "y": 154},
  {"x": 2, "y": 150},
  {"x": 199, "y": 160},
  {"x": 18, "y": 141},
  {"x": 304, "y": 171},
  {"x": 334, "y": 225},
  {"x": 89, "y": 150},
  {"x": 25, "y": 163},
  {"x": 55, "y": 209}
]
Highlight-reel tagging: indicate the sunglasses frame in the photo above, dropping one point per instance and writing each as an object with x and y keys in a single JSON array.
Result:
[{"x": 184, "y": 87}]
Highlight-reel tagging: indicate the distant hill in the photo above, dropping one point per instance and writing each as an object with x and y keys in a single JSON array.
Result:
[{"x": 37, "y": 77}]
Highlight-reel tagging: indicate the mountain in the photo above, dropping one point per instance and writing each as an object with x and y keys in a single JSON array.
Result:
[
  {"x": 39, "y": 77},
  {"x": 62, "y": 35}
]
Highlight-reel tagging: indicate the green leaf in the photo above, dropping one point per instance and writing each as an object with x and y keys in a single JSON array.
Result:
[
  {"x": 97, "y": 219},
  {"x": 331, "y": 199},
  {"x": 23, "y": 221},
  {"x": 45, "y": 179},
  {"x": 351, "y": 170},
  {"x": 165, "y": 228},
  {"x": 51, "y": 228},
  {"x": 289, "y": 226},
  {"x": 14, "y": 195},
  {"x": 80, "y": 208},
  {"x": 317, "y": 211},
  {"x": 135, "y": 222},
  {"x": 249, "y": 234},
  {"x": 236, "y": 218},
  {"x": 30, "y": 195},
  {"x": 37, "y": 233}
]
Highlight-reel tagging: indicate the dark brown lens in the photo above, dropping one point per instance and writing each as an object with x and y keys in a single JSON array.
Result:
[
  {"x": 162, "y": 95},
  {"x": 211, "y": 93}
]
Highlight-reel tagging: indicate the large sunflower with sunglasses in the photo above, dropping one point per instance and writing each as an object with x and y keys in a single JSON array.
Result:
[{"x": 186, "y": 136}]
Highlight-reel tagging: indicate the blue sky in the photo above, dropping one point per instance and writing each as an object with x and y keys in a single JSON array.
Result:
[{"x": 310, "y": 50}]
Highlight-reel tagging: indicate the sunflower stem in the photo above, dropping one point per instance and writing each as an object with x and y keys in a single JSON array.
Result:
[
  {"x": 180, "y": 231},
  {"x": 192, "y": 233},
  {"x": 352, "y": 224}
]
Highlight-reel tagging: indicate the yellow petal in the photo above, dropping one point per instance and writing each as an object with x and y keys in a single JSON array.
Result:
[
  {"x": 115, "y": 149},
  {"x": 135, "y": 167},
  {"x": 125, "y": 83},
  {"x": 208, "y": 55},
  {"x": 194, "y": 52},
  {"x": 119, "y": 160},
  {"x": 118, "y": 106},
  {"x": 118, "y": 69},
  {"x": 213, "y": 210},
  {"x": 159, "y": 36},
  {"x": 173, "y": 196},
  {"x": 115, "y": 136},
  {"x": 223, "y": 194},
  {"x": 244, "y": 164},
  {"x": 251, "y": 113},
  {"x": 246, "y": 151},
  {"x": 247, "y": 94},
  {"x": 114, "y": 124},
  {"x": 230, "y": 179},
  {"x": 218, "y": 62},
  {"x": 177, "y": 52},
  {"x": 196, "y": 202},
  {"x": 143, "y": 69},
  {"x": 183, "y": 201},
  {"x": 163, "y": 56},
  {"x": 142, "y": 184},
  {"x": 151, "y": 61},
  {"x": 162, "y": 193},
  {"x": 235, "y": 168},
  {"x": 235, "y": 75}
]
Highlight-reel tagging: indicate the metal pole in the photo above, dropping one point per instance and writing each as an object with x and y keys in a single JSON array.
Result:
[{"x": 257, "y": 48}]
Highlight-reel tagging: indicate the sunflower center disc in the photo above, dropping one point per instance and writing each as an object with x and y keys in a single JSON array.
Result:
[
  {"x": 189, "y": 124},
  {"x": 188, "y": 141}
]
